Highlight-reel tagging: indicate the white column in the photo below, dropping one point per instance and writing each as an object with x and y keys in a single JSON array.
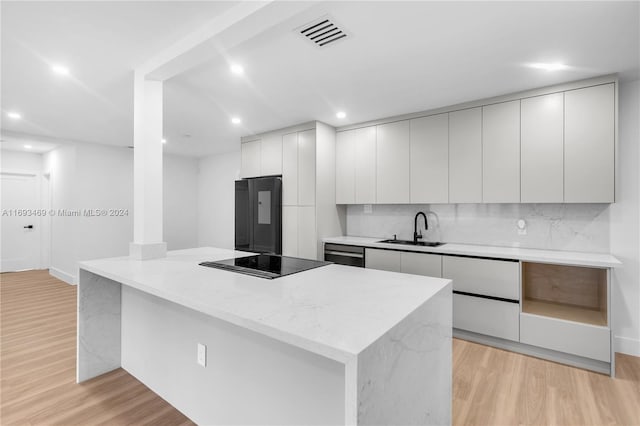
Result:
[{"x": 147, "y": 170}]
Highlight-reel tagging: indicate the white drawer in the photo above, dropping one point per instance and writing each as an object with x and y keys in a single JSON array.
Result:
[
  {"x": 421, "y": 264},
  {"x": 486, "y": 316},
  {"x": 589, "y": 341},
  {"x": 498, "y": 278},
  {"x": 386, "y": 260}
]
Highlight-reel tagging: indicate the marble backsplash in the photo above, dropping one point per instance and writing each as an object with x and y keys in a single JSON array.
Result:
[{"x": 573, "y": 227}]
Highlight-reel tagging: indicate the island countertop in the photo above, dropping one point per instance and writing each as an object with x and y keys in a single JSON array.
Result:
[{"x": 335, "y": 311}]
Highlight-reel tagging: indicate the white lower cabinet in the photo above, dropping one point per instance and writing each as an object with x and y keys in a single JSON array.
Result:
[
  {"x": 421, "y": 264},
  {"x": 426, "y": 264},
  {"x": 486, "y": 316},
  {"x": 487, "y": 277},
  {"x": 571, "y": 337},
  {"x": 385, "y": 260}
]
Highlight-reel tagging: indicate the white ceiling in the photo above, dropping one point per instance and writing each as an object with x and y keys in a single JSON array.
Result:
[{"x": 401, "y": 57}]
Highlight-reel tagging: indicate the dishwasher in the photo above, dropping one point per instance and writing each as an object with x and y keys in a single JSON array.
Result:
[{"x": 343, "y": 254}]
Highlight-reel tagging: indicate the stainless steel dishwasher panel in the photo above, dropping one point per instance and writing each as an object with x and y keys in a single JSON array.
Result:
[{"x": 343, "y": 254}]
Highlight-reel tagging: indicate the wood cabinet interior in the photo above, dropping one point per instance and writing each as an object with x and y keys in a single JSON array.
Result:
[{"x": 572, "y": 293}]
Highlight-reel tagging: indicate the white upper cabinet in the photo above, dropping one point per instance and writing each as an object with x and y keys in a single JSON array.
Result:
[
  {"x": 271, "y": 155},
  {"x": 465, "y": 156},
  {"x": 392, "y": 163},
  {"x": 250, "y": 159},
  {"x": 307, "y": 168},
  {"x": 430, "y": 159},
  {"x": 345, "y": 167},
  {"x": 589, "y": 145},
  {"x": 541, "y": 143},
  {"x": 365, "y": 173},
  {"x": 501, "y": 152},
  {"x": 290, "y": 169}
]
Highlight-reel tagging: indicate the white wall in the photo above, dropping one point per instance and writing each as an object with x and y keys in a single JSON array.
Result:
[
  {"x": 98, "y": 177},
  {"x": 625, "y": 224},
  {"x": 61, "y": 165},
  {"x": 18, "y": 160},
  {"x": 216, "y": 195},
  {"x": 180, "y": 201}
]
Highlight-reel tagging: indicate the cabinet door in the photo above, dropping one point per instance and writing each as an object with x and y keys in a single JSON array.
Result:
[
  {"x": 541, "y": 143},
  {"x": 307, "y": 168},
  {"x": 589, "y": 147},
  {"x": 501, "y": 153},
  {"x": 421, "y": 264},
  {"x": 250, "y": 159},
  {"x": 365, "y": 161},
  {"x": 271, "y": 155},
  {"x": 430, "y": 159},
  {"x": 486, "y": 316},
  {"x": 307, "y": 241},
  {"x": 392, "y": 163},
  {"x": 497, "y": 278},
  {"x": 385, "y": 260},
  {"x": 465, "y": 156},
  {"x": 345, "y": 167},
  {"x": 290, "y": 169},
  {"x": 290, "y": 231}
]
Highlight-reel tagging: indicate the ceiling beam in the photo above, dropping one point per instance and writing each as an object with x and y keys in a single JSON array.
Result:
[{"x": 226, "y": 31}]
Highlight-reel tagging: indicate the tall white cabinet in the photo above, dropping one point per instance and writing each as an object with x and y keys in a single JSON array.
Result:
[
  {"x": 305, "y": 157},
  {"x": 429, "y": 167},
  {"x": 356, "y": 166},
  {"x": 392, "y": 163},
  {"x": 589, "y": 144},
  {"x": 465, "y": 156},
  {"x": 501, "y": 152},
  {"x": 542, "y": 145}
]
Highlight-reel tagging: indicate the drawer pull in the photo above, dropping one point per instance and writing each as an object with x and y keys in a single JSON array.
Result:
[{"x": 483, "y": 296}]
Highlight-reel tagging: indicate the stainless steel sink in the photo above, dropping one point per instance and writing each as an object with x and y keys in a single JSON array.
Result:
[{"x": 412, "y": 243}]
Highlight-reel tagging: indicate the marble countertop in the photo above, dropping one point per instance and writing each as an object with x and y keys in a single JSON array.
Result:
[
  {"x": 599, "y": 260},
  {"x": 335, "y": 311}
]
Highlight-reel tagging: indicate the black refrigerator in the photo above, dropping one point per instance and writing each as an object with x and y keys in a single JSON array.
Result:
[{"x": 259, "y": 215}]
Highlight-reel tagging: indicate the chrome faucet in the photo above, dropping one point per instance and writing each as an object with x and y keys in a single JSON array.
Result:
[{"x": 417, "y": 236}]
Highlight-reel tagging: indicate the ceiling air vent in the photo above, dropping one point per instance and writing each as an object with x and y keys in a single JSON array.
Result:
[{"x": 322, "y": 32}]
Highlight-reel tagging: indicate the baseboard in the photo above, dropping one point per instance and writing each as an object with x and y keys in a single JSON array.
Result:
[
  {"x": 548, "y": 354},
  {"x": 61, "y": 275},
  {"x": 626, "y": 345}
]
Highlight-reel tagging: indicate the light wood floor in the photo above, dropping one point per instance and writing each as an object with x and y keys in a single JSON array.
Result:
[{"x": 490, "y": 386}]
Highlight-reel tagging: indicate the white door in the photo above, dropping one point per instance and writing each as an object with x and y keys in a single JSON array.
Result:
[{"x": 20, "y": 245}]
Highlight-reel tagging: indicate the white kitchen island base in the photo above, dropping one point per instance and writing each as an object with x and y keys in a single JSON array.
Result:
[{"x": 255, "y": 375}]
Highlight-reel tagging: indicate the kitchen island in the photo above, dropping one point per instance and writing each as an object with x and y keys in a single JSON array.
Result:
[{"x": 331, "y": 345}]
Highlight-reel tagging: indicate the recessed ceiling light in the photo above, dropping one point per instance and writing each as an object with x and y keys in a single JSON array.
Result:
[
  {"x": 236, "y": 120},
  {"x": 28, "y": 146},
  {"x": 60, "y": 69},
  {"x": 164, "y": 141},
  {"x": 237, "y": 69},
  {"x": 341, "y": 114},
  {"x": 556, "y": 66},
  {"x": 14, "y": 115}
]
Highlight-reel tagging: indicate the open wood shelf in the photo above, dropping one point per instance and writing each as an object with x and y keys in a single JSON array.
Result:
[
  {"x": 571, "y": 293},
  {"x": 565, "y": 312}
]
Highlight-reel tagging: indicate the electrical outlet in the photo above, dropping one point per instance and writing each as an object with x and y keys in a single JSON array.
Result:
[
  {"x": 522, "y": 227},
  {"x": 368, "y": 208},
  {"x": 202, "y": 354}
]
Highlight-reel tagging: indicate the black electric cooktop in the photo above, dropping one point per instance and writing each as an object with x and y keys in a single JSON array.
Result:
[{"x": 268, "y": 266}]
